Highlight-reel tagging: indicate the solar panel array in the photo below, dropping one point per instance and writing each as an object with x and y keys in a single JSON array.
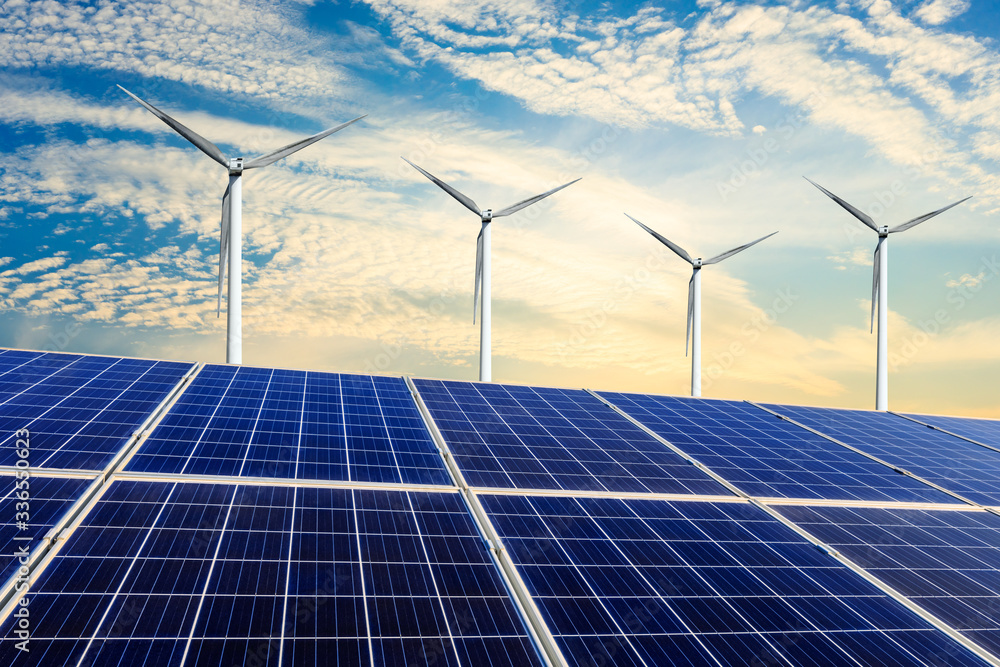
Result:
[{"x": 189, "y": 514}]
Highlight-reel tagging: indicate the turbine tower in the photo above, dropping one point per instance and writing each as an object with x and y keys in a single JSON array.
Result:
[
  {"x": 231, "y": 236},
  {"x": 880, "y": 287},
  {"x": 694, "y": 297},
  {"x": 483, "y": 260}
]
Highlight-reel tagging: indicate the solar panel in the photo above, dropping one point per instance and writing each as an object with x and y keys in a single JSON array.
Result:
[
  {"x": 768, "y": 457},
  {"x": 79, "y": 410},
  {"x": 260, "y": 422},
  {"x": 506, "y": 436},
  {"x": 985, "y": 431},
  {"x": 345, "y": 558},
  {"x": 946, "y": 561},
  {"x": 25, "y": 518},
  {"x": 173, "y": 573},
  {"x": 654, "y": 582},
  {"x": 959, "y": 466}
]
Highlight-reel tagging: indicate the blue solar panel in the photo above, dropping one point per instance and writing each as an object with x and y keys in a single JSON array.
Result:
[
  {"x": 240, "y": 575},
  {"x": 952, "y": 463},
  {"x": 262, "y": 422},
  {"x": 631, "y": 582},
  {"x": 768, "y": 457},
  {"x": 25, "y": 518},
  {"x": 506, "y": 436},
  {"x": 986, "y": 431},
  {"x": 79, "y": 410},
  {"x": 947, "y": 561}
]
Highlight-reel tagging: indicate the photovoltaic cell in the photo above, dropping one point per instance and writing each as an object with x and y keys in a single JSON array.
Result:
[
  {"x": 767, "y": 457},
  {"x": 652, "y": 582},
  {"x": 28, "y": 510},
  {"x": 241, "y": 575},
  {"x": 261, "y": 422},
  {"x": 946, "y": 561},
  {"x": 507, "y": 436},
  {"x": 79, "y": 410},
  {"x": 960, "y": 466},
  {"x": 986, "y": 431}
]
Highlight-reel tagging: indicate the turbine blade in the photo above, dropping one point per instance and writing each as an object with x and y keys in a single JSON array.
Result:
[
  {"x": 875, "y": 294},
  {"x": 274, "y": 156},
  {"x": 206, "y": 146},
  {"x": 466, "y": 201},
  {"x": 681, "y": 252},
  {"x": 730, "y": 253},
  {"x": 223, "y": 245},
  {"x": 479, "y": 274},
  {"x": 925, "y": 217},
  {"x": 514, "y": 208},
  {"x": 690, "y": 314},
  {"x": 860, "y": 215}
]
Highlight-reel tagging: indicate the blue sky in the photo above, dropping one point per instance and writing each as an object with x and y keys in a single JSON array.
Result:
[{"x": 698, "y": 118}]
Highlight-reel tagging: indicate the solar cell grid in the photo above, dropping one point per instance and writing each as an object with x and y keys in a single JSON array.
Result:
[
  {"x": 768, "y": 457},
  {"x": 25, "y": 520},
  {"x": 80, "y": 410},
  {"x": 630, "y": 582},
  {"x": 220, "y": 574},
  {"x": 262, "y": 422},
  {"x": 947, "y": 561},
  {"x": 986, "y": 431},
  {"x": 506, "y": 436},
  {"x": 957, "y": 465}
]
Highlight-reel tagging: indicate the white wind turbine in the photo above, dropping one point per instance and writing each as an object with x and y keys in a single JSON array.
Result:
[
  {"x": 880, "y": 287},
  {"x": 231, "y": 236},
  {"x": 694, "y": 297},
  {"x": 483, "y": 260}
]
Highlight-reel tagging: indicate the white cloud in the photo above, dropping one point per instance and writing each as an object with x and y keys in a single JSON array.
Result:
[
  {"x": 645, "y": 71},
  {"x": 233, "y": 46},
  {"x": 35, "y": 266},
  {"x": 854, "y": 257},
  {"x": 936, "y": 12},
  {"x": 967, "y": 280}
]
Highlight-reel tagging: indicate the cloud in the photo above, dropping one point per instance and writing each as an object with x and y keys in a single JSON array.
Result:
[
  {"x": 855, "y": 75},
  {"x": 967, "y": 280},
  {"x": 854, "y": 257},
  {"x": 35, "y": 266},
  {"x": 232, "y": 46},
  {"x": 936, "y": 12}
]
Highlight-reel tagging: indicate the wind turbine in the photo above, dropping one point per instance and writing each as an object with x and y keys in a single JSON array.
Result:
[
  {"x": 880, "y": 286},
  {"x": 694, "y": 297},
  {"x": 483, "y": 259},
  {"x": 231, "y": 236}
]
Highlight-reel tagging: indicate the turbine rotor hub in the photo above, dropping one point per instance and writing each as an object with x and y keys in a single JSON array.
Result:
[
  {"x": 487, "y": 215},
  {"x": 696, "y": 263},
  {"x": 883, "y": 230},
  {"x": 236, "y": 165}
]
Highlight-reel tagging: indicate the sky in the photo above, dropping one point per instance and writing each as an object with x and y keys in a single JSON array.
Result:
[{"x": 698, "y": 118}]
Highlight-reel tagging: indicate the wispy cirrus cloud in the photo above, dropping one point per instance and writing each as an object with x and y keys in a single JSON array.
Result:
[{"x": 649, "y": 70}]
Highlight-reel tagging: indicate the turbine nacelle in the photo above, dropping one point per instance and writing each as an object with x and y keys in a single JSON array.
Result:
[
  {"x": 883, "y": 231},
  {"x": 235, "y": 166},
  {"x": 487, "y": 215}
]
